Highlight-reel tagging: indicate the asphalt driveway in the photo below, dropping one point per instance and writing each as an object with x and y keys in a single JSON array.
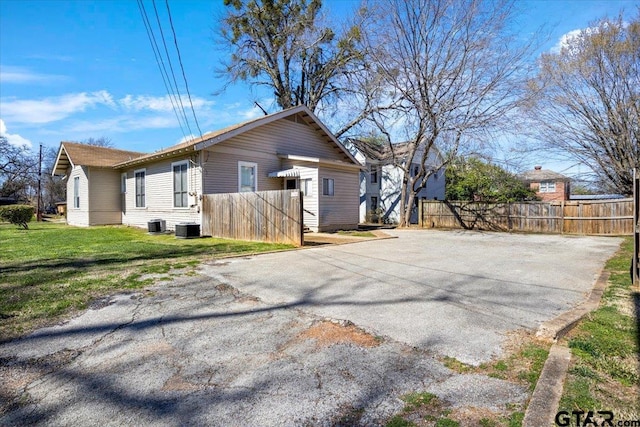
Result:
[
  {"x": 325, "y": 336},
  {"x": 455, "y": 293}
]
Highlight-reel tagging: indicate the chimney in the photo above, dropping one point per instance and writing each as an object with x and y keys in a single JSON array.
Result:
[{"x": 537, "y": 168}]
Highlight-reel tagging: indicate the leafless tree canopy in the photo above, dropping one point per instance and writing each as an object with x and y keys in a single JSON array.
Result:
[
  {"x": 103, "y": 141},
  {"x": 451, "y": 71},
  {"x": 588, "y": 101},
  {"x": 282, "y": 44}
]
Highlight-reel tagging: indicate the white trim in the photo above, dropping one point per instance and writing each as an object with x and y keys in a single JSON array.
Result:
[
  {"x": 76, "y": 192},
  {"x": 135, "y": 186},
  {"x": 318, "y": 160},
  {"x": 242, "y": 164},
  {"x": 173, "y": 189},
  {"x": 123, "y": 183}
]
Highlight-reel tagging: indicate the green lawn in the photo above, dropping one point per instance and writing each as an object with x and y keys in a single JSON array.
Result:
[
  {"x": 51, "y": 270},
  {"x": 604, "y": 372}
]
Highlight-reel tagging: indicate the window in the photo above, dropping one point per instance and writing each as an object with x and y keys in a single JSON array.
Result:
[
  {"x": 76, "y": 192},
  {"x": 327, "y": 186},
  {"x": 247, "y": 177},
  {"x": 547, "y": 187},
  {"x": 123, "y": 183},
  {"x": 374, "y": 175},
  {"x": 374, "y": 203},
  {"x": 180, "y": 185},
  {"x": 306, "y": 187},
  {"x": 140, "y": 189}
]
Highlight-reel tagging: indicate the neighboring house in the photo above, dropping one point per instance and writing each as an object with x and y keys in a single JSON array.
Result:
[
  {"x": 548, "y": 185},
  {"x": 290, "y": 149},
  {"x": 381, "y": 180}
]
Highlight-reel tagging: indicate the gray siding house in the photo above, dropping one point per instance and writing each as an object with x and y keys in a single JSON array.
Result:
[
  {"x": 290, "y": 149},
  {"x": 381, "y": 179}
]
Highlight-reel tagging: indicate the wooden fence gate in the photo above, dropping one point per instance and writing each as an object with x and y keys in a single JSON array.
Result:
[
  {"x": 591, "y": 217},
  {"x": 267, "y": 216}
]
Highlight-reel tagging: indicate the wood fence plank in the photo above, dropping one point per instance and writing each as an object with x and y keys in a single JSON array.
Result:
[{"x": 612, "y": 217}]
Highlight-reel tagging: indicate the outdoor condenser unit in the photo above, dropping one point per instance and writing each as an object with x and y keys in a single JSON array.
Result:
[
  {"x": 187, "y": 230},
  {"x": 157, "y": 225}
]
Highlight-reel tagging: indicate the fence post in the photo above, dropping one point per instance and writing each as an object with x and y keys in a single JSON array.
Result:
[
  {"x": 420, "y": 213},
  {"x": 562, "y": 217},
  {"x": 635, "y": 262}
]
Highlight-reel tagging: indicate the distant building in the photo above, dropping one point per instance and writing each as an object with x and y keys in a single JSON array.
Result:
[
  {"x": 381, "y": 179},
  {"x": 549, "y": 185}
]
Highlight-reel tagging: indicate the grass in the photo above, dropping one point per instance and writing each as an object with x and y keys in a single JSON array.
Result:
[
  {"x": 356, "y": 233},
  {"x": 52, "y": 270},
  {"x": 604, "y": 372},
  {"x": 523, "y": 366}
]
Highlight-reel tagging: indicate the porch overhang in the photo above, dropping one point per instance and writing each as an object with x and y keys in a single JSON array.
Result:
[{"x": 286, "y": 173}]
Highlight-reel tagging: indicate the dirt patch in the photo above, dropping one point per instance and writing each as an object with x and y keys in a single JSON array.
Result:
[
  {"x": 472, "y": 417},
  {"x": 327, "y": 333}
]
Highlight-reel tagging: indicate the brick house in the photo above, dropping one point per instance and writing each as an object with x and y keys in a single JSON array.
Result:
[{"x": 549, "y": 185}]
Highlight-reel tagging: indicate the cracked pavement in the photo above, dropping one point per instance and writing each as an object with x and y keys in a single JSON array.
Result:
[{"x": 198, "y": 351}]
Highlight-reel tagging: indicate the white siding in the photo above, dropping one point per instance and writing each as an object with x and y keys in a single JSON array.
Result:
[
  {"x": 104, "y": 196},
  {"x": 78, "y": 216},
  {"x": 339, "y": 211},
  {"x": 220, "y": 168},
  {"x": 159, "y": 195},
  {"x": 286, "y": 137}
]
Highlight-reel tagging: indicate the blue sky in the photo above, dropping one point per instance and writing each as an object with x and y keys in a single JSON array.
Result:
[{"x": 71, "y": 70}]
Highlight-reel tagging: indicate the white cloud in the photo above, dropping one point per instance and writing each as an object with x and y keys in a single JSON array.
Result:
[
  {"x": 160, "y": 103},
  {"x": 14, "y": 139},
  {"x": 55, "y": 108},
  {"x": 22, "y": 75}
]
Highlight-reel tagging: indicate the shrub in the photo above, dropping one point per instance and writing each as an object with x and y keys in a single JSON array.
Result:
[{"x": 17, "y": 214}]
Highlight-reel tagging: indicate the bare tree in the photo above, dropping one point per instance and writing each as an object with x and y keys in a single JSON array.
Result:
[
  {"x": 588, "y": 101},
  {"x": 283, "y": 45},
  {"x": 451, "y": 72},
  {"x": 103, "y": 141},
  {"x": 18, "y": 168}
]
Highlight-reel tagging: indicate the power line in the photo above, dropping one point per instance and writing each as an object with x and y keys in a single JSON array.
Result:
[
  {"x": 184, "y": 76},
  {"x": 161, "y": 66},
  {"x": 171, "y": 67}
]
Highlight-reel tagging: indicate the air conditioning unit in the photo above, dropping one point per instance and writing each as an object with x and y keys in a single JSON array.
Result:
[
  {"x": 156, "y": 226},
  {"x": 187, "y": 230}
]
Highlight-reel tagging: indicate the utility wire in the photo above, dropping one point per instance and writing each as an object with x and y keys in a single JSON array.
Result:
[
  {"x": 161, "y": 66},
  {"x": 184, "y": 76},
  {"x": 166, "y": 50}
]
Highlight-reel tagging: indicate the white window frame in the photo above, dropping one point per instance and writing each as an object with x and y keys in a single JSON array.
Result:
[
  {"x": 144, "y": 188},
  {"x": 547, "y": 186},
  {"x": 329, "y": 189},
  {"x": 123, "y": 183},
  {"x": 306, "y": 186},
  {"x": 242, "y": 164},
  {"x": 76, "y": 192},
  {"x": 173, "y": 183}
]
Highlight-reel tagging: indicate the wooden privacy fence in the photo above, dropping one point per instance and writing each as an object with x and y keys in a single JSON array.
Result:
[
  {"x": 593, "y": 217},
  {"x": 268, "y": 216}
]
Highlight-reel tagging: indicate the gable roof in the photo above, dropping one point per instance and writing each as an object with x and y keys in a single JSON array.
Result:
[
  {"x": 384, "y": 153},
  {"x": 221, "y": 135},
  {"x": 538, "y": 174},
  {"x": 77, "y": 154}
]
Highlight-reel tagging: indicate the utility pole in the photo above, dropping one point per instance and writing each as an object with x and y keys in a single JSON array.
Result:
[{"x": 38, "y": 211}]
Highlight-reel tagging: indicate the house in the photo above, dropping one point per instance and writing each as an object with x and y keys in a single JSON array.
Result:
[
  {"x": 381, "y": 179},
  {"x": 290, "y": 149},
  {"x": 549, "y": 186}
]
